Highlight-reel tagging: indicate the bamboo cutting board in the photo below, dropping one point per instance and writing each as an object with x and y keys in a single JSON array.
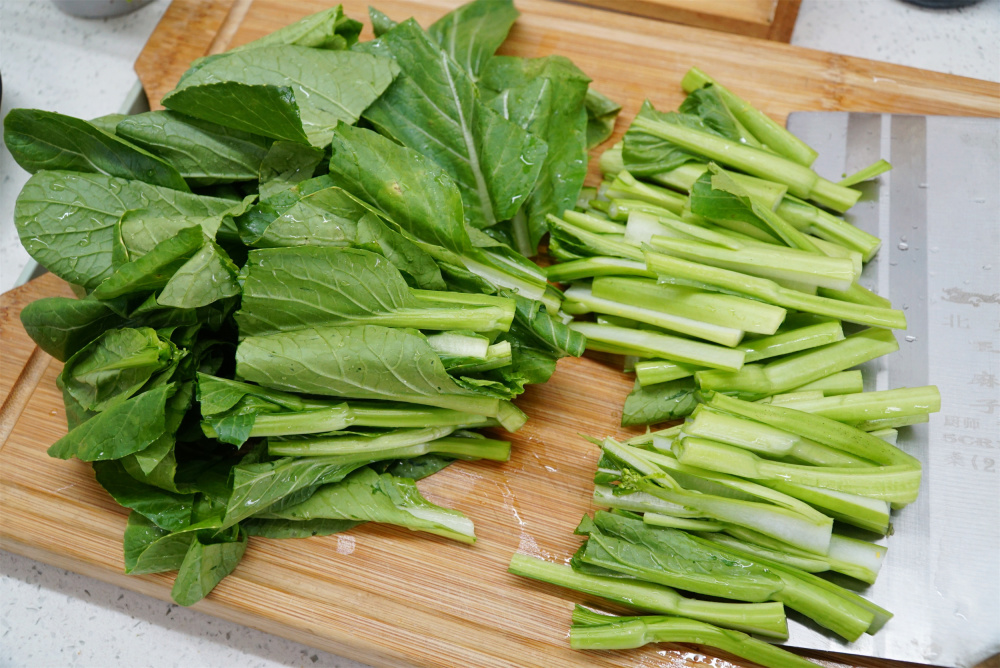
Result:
[{"x": 388, "y": 596}]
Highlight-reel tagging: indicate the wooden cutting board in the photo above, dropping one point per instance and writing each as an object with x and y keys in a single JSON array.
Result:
[
  {"x": 388, "y": 596},
  {"x": 769, "y": 19}
]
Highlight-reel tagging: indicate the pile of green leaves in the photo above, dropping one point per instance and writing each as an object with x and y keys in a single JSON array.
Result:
[
  {"x": 305, "y": 281},
  {"x": 738, "y": 503}
]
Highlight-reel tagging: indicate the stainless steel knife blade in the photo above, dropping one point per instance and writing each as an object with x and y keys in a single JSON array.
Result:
[{"x": 938, "y": 215}]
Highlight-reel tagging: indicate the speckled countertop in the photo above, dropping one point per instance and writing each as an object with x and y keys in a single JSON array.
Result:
[{"x": 50, "y": 617}]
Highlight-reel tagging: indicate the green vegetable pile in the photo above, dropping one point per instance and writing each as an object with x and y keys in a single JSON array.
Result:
[
  {"x": 738, "y": 503},
  {"x": 304, "y": 283},
  {"x": 710, "y": 258}
]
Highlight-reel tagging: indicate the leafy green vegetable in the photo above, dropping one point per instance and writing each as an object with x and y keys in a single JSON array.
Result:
[
  {"x": 206, "y": 277},
  {"x": 204, "y": 566},
  {"x": 288, "y": 289},
  {"x": 367, "y": 496},
  {"x": 204, "y": 153},
  {"x": 605, "y": 632},
  {"x": 434, "y": 109},
  {"x": 267, "y": 110},
  {"x": 602, "y": 112},
  {"x": 286, "y": 164},
  {"x": 659, "y": 403},
  {"x": 46, "y": 140},
  {"x": 114, "y": 366},
  {"x": 362, "y": 362},
  {"x": 61, "y": 326},
  {"x": 124, "y": 428},
  {"x": 66, "y": 220},
  {"x": 545, "y": 96},
  {"x": 327, "y": 29},
  {"x": 472, "y": 33},
  {"x": 326, "y": 86}
]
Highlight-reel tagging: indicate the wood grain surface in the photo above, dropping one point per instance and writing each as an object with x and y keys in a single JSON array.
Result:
[
  {"x": 388, "y": 596},
  {"x": 767, "y": 19}
]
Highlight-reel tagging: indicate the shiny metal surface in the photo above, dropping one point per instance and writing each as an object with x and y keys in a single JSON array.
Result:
[{"x": 938, "y": 215}]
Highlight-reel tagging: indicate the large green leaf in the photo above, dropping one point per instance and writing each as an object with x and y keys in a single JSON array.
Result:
[
  {"x": 545, "y": 96},
  {"x": 327, "y": 86},
  {"x": 411, "y": 189},
  {"x": 292, "y": 288},
  {"x": 120, "y": 430},
  {"x": 367, "y": 496},
  {"x": 66, "y": 220},
  {"x": 203, "y": 152},
  {"x": 61, "y": 326},
  {"x": 46, "y": 140},
  {"x": 360, "y": 362},
  {"x": 268, "y": 110},
  {"x": 472, "y": 33},
  {"x": 434, "y": 108}
]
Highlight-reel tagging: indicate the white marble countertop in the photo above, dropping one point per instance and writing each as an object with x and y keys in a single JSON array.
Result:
[{"x": 50, "y": 617}]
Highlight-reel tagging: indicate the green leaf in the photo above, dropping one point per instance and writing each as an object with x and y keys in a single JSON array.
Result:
[
  {"x": 360, "y": 362},
  {"x": 61, "y": 326},
  {"x": 381, "y": 23},
  {"x": 46, "y": 140},
  {"x": 268, "y": 110},
  {"x": 66, "y": 220},
  {"x": 139, "y": 231},
  {"x": 121, "y": 430},
  {"x": 409, "y": 188},
  {"x": 673, "y": 558},
  {"x": 168, "y": 510},
  {"x": 150, "y": 549},
  {"x": 326, "y": 86},
  {"x": 259, "y": 486},
  {"x": 434, "y": 108},
  {"x": 473, "y": 32},
  {"x": 292, "y": 288},
  {"x": 602, "y": 112},
  {"x": 114, "y": 366},
  {"x": 647, "y": 155},
  {"x": 153, "y": 270},
  {"x": 327, "y": 29},
  {"x": 204, "y": 153},
  {"x": 367, "y": 496},
  {"x": 545, "y": 96},
  {"x": 706, "y": 104},
  {"x": 648, "y": 405},
  {"x": 218, "y": 395},
  {"x": 534, "y": 326},
  {"x": 108, "y": 123},
  {"x": 286, "y": 164},
  {"x": 204, "y": 566},
  {"x": 208, "y": 276}
]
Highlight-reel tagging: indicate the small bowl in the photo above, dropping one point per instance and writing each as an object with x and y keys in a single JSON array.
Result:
[{"x": 99, "y": 9}]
